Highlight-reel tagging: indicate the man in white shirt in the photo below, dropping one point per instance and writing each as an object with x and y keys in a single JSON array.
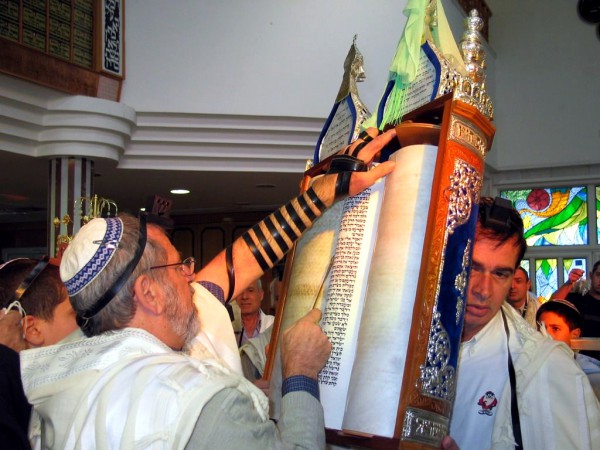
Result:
[
  {"x": 515, "y": 387},
  {"x": 520, "y": 297},
  {"x": 254, "y": 320}
]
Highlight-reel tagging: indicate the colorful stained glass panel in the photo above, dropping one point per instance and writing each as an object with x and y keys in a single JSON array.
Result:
[
  {"x": 525, "y": 265},
  {"x": 576, "y": 263},
  {"x": 546, "y": 278},
  {"x": 552, "y": 216}
]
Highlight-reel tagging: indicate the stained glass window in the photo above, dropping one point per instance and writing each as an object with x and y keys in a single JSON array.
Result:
[
  {"x": 546, "y": 278},
  {"x": 576, "y": 263},
  {"x": 552, "y": 216},
  {"x": 525, "y": 265}
]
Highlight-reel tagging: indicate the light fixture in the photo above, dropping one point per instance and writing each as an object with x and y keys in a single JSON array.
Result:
[
  {"x": 180, "y": 191},
  {"x": 89, "y": 208}
]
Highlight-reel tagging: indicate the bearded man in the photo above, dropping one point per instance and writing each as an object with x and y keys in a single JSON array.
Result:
[{"x": 128, "y": 385}]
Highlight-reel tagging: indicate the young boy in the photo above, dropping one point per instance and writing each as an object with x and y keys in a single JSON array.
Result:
[{"x": 563, "y": 322}]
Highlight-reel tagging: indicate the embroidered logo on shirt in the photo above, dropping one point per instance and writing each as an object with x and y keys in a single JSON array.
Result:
[{"x": 487, "y": 403}]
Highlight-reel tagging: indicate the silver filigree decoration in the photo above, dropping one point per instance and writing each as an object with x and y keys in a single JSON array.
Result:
[
  {"x": 450, "y": 78},
  {"x": 467, "y": 84},
  {"x": 472, "y": 89},
  {"x": 354, "y": 72},
  {"x": 424, "y": 426},
  {"x": 465, "y": 185},
  {"x": 437, "y": 377},
  {"x": 464, "y": 132},
  {"x": 460, "y": 283}
]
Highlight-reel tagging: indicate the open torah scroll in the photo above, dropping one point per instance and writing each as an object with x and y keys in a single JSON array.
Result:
[{"x": 389, "y": 269}]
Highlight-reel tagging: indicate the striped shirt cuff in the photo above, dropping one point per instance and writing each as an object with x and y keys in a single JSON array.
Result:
[{"x": 302, "y": 383}]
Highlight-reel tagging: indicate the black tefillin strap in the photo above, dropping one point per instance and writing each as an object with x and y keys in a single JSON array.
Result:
[
  {"x": 366, "y": 137},
  {"x": 84, "y": 316},
  {"x": 30, "y": 278},
  {"x": 231, "y": 278},
  {"x": 266, "y": 235},
  {"x": 514, "y": 405},
  {"x": 344, "y": 166}
]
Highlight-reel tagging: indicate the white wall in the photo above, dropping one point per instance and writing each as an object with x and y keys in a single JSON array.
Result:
[
  {"x": 260, "y": 57},
  {"x": 547, "y": 92},
  {"x": 285, "y": 59}
]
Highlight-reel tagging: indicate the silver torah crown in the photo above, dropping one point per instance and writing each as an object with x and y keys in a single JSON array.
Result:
[{"x": 471, "y": 88}]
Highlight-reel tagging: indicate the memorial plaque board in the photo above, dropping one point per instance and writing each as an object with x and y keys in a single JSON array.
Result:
[
  {"x": 9, "y": 19},
  {"x": 61, "y": 44}
]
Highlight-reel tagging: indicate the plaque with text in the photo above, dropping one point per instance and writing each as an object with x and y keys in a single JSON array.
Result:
[{"x": 348, "y": 113}]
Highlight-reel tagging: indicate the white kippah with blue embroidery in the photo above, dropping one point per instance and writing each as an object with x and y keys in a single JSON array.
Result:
[{"x": 89, "y": 252}]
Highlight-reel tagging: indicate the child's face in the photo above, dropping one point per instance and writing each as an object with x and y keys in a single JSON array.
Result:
[{"x": 558, "y": 328}]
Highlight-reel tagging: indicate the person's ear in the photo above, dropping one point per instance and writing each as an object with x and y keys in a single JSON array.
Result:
[
  {"x": 33, "y": 332},
  {"x": 575, "y": 333},
  {"x": 148, "y": 295}
]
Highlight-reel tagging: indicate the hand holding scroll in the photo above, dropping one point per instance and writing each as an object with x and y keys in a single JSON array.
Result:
[
  {"x": 351, "y": 176},
  {"x": 305, "y": 348},
  {"x": 259, "y": 249}
]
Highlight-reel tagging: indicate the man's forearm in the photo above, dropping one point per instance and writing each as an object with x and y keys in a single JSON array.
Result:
[
  {"x": 267, "y": 242},
  {"x": 562, "y": 292}
]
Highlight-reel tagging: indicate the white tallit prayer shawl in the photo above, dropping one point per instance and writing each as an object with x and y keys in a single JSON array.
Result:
[
  {"x": 557, "y": 407},
  {"x": 122, "y": 390},
  {"x": 255, "y": 349},
  {"x": 216, "y": 333}
]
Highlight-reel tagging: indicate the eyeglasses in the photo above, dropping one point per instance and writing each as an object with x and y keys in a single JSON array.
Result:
[{"x": 186, "y": 266}]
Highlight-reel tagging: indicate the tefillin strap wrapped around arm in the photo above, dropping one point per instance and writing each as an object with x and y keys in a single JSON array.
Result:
[
  {"x": 345, "y": 166},
  {"x": 230, "y": 277},
  {"x": 272, "y": 238}
]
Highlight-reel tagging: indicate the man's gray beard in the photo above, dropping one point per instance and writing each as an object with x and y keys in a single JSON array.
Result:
[
  {"x": 192, "y": 327},
  {"x": 185, "y": 326}
]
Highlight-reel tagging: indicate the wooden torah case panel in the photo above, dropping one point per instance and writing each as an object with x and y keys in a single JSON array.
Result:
[{"x": 389, "y": 268}]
